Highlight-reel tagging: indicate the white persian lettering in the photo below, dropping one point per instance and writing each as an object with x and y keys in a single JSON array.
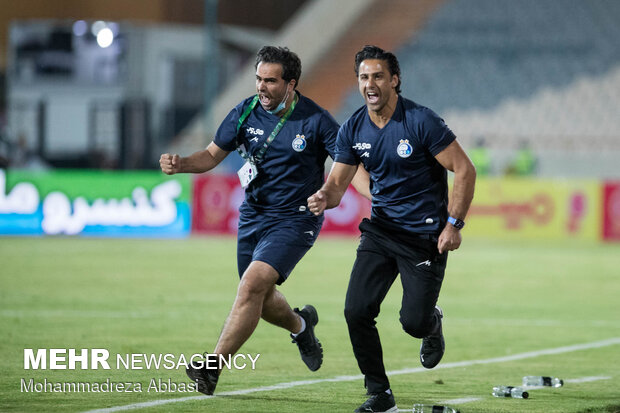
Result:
[
  {"x": 60, "y": 217},
  {"x": 23, "y": 198},
  {"x": 362, "y": 146}
]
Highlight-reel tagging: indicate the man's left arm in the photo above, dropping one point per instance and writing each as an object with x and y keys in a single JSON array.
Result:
[
  {"x": 361, "y": 182},
  {"x": 454, "y": 159}
]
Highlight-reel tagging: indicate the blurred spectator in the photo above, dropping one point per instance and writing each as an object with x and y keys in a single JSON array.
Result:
[
  {"x": 525, "y": 162},
  {"x": 98, "y": 159},
  {"x": 23, "y": 157},
  {"x": 481, "y": 158}
]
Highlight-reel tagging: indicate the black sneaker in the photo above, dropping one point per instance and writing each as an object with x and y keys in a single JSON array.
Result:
[
  {"x": 205, "y": 379},
  {"x": 378, "y": 402},
  {"x": 433, "y": 346},
  {"x": 309, "y": 346}
]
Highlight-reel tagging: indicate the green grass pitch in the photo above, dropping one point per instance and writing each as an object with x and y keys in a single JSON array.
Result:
[{"x": 500, "y": 298}]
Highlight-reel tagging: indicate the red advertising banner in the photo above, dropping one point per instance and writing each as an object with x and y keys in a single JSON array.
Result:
[
  {"x": 217, "y": 199},
  {"x": 216, "y": 204},
  {"x": 611, "y": 211},
  {"x": 345, "y": 218},
  {"x": 502, "y": 208}
]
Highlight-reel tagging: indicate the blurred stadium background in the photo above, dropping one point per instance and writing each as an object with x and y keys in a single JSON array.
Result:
[
  {"x": 91, "y": 92},
  {"x": 531, "y": 88}
]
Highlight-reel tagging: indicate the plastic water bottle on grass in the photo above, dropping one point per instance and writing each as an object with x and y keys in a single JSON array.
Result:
[
  {"x": 427, "y": 408},
  {"x": 542, "y": 381},
  {"x": 510, "y": 391}
]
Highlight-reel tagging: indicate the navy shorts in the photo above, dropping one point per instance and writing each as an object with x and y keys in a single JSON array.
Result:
[{"x": 280, "y": 241}]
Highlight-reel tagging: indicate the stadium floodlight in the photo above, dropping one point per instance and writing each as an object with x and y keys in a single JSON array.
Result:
[{"x": 105, "y": 37}]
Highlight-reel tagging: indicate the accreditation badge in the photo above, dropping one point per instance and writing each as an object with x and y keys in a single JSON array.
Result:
[{"x": 247, "y": 173}]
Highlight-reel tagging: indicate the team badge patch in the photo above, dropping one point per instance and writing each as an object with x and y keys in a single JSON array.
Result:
[
  {"x": 404, "y": 149},
  {"x": 299, "y": 143}
]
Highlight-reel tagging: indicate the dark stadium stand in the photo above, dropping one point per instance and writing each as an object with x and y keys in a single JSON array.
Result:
[
  {"x": 542, "y": 72},
  {"x": 477, "y": 53}
]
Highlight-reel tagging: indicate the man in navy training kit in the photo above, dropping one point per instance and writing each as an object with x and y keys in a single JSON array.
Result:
[
  {"x": 285, "y": 139},
  {"x": 406, "y": 148}
]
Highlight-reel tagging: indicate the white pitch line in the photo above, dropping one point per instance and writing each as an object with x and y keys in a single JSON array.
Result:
[
  {"x": 281, "y": 386},
  {"x": 539, "y": 322},
  {"x": 587, "y": 379},
  {"x": 462, "y": 400}
]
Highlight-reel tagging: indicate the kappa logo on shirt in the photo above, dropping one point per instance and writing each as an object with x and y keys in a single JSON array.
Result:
[{"x": 363, "y": 146}]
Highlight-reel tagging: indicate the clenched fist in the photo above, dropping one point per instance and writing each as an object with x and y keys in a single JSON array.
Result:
[
  {"x": 317, "y": 202},
  {"x": 170, "y": 164}
]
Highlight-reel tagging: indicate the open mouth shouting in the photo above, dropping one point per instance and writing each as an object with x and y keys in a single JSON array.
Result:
[
  {"x": 372, "y": 97},
  {"x": 265, "y": 101}
]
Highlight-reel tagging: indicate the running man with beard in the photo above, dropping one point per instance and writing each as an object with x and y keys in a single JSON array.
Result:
[{"x": 285, "y": 139}]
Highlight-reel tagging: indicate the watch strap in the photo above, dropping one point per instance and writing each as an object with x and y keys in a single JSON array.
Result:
[{"x": 457, "y": 223}]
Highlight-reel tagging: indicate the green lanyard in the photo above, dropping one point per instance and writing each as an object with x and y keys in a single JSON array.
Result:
[{"x": 261, "y": 152}]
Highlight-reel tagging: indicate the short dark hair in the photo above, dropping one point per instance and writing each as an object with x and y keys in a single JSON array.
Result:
[
  {"x": 291, "y": 65},
  {"x": 374, "y": 52}
]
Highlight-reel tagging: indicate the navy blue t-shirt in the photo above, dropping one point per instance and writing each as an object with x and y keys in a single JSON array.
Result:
[
  {"x": 293, "y": 167},
  {"x": 408, "y": 185}
]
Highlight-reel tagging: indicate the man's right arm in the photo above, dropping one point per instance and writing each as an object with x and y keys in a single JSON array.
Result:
[
  {"x": 331, "y": 193},
  {"x": 198, "y": 162}
]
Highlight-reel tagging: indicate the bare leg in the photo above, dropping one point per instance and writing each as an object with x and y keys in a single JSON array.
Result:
[
  {"x": 277, "y": 311},
  {"x": 258, "y": 283}
]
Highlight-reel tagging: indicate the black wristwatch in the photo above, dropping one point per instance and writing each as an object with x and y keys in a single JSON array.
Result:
[{"x": 458, "y": 223}]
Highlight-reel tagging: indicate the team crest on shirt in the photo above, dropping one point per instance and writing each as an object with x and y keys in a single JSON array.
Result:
[
  {"x": 404, "y": 149},
  {"x": 299, "y": 143}
]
